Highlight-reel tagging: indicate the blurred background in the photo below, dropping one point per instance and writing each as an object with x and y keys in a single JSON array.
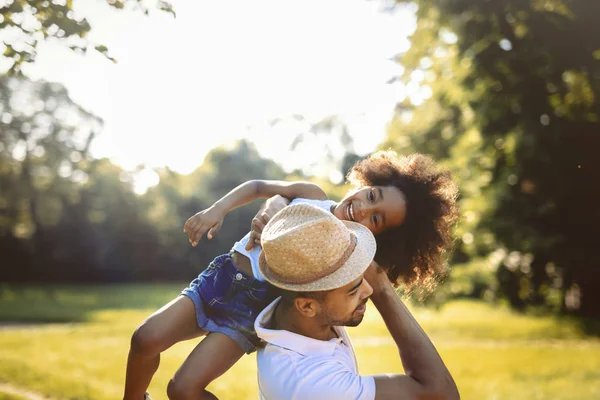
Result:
[{"x": 120, "y": 119}]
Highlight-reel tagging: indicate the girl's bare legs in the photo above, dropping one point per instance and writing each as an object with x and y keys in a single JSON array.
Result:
[
  {"x": 211, "y": 358},
  {"x": 173, "y": 323}
]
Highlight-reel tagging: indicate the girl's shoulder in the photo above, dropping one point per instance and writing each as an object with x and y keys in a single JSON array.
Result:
[{"x": 324, "y": 204}]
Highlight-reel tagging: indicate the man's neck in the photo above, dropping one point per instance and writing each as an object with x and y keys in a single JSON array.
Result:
[{"x": 288, "y": 319}]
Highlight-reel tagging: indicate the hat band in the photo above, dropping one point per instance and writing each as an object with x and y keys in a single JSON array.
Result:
[{"x": 321, "y": 274}]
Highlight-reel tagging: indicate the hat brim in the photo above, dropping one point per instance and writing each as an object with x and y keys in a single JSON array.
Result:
[{"x": 357, "y": 263}]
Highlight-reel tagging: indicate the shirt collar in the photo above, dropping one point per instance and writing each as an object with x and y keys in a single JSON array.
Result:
[{"x": 293, "y": 341}]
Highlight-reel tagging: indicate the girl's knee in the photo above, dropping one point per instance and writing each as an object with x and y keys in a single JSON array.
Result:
[
  {"x": 180, "y": 390},
  {"x": 146, "y": 339},
  {"x": 175, "y": 390}
]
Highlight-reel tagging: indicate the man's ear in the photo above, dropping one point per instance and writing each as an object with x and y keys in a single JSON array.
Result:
[{"x": 306, "y": 306}]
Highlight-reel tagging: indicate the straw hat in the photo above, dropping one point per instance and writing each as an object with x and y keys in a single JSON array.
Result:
[{"x": 305, "y": 248}]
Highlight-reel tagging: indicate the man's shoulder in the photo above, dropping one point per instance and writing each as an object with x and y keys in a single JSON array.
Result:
[
  {"x": 283, "y": 371},
  {"x": 274, "y": 354},
  {"x": 273, "y": 360}
]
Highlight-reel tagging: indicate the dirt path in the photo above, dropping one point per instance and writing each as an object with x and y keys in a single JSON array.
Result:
[
  {"x": 8, "y": 326},
  {"x": 24, "y": 393}
]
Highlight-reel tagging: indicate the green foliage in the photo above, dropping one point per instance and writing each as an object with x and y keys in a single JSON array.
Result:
[
  {"x": 511, "y": 107},
  {"x": 95, "y": 228},
  {"x": 67, "y": 217},
  {"x": 176, "y": 198},
  {"x": 25, "y": 23},
  {"x": 475, "y": 279}
]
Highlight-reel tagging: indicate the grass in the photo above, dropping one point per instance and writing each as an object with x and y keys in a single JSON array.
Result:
[
  {"x": 7, "y": 396},
  {"x": 81, "y": 354}
]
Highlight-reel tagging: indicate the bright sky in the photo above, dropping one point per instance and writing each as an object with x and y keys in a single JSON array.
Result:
[{"x": 222, "y": 69}]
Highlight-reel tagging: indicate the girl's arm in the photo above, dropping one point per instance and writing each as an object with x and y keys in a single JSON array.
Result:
[
  {"x": 211, "y": 219},
  {"x": 261, "y": 189}
]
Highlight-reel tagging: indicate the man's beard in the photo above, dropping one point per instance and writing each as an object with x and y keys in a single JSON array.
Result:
[{"x": 352, "y": 320}]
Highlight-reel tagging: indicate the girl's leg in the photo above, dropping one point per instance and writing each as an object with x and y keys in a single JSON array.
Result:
[
  {"x": 210, "y": 359},
  {"x": 173, "y": 323}
]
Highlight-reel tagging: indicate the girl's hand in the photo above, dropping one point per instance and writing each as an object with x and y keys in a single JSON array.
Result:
[
  {"x": 266, "y": 212},
  {"x": 209, "y": 220},
  {"x": 377, "y": 278}
]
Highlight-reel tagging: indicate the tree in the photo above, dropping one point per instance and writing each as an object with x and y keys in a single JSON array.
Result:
[
  {"x": 516, "y": 115},
  {"x": 63, "y": 212},
  {"x": 46, "y": 139},
  {"x": 44, "y": 147},
  {"x": 25, "y": 23},
  {"x": 324, "y": 142},
  {"x": 178, "y": 197}
]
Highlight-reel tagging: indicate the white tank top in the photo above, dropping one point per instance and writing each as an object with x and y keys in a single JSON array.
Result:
[{"x": 253, "y": 254}]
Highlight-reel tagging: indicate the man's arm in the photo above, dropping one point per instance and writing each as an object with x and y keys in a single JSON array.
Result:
[
  {"x": 212, "y": 218},
  {"x": 426, "y": 375}
]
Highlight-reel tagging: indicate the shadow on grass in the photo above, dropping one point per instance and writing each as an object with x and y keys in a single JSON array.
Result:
[
  {"x": 75, "y": 303},
  {"x": 590, "y": 326},
  {"x": 26, "y": 304}
]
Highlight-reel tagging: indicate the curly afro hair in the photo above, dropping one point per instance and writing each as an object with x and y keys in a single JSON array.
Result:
[{"x": 412, "y": 253}]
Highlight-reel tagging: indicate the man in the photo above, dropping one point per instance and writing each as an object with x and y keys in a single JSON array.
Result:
[{"x": 325, "y": 270}]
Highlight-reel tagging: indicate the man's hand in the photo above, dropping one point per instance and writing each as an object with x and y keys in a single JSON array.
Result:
[
  {"x": 264, "y": 215},
  {"x": 209, "y": 220}
]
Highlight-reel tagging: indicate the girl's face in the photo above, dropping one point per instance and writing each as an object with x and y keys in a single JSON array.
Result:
[{"x": 379, "y": 208}]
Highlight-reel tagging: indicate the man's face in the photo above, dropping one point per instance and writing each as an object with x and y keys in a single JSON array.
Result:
[{"x": 346, "y": 306}]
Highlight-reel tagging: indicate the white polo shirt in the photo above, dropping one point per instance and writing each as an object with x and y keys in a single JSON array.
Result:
[{"x": 296, "y": 367}]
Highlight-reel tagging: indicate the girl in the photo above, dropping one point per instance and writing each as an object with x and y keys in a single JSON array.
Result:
[{"x": 408, "y": 204}]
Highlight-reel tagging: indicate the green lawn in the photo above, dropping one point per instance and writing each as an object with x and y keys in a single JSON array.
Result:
[
  {"x": 81, "y": 352},
  {"x": 7, "y": 396}
]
